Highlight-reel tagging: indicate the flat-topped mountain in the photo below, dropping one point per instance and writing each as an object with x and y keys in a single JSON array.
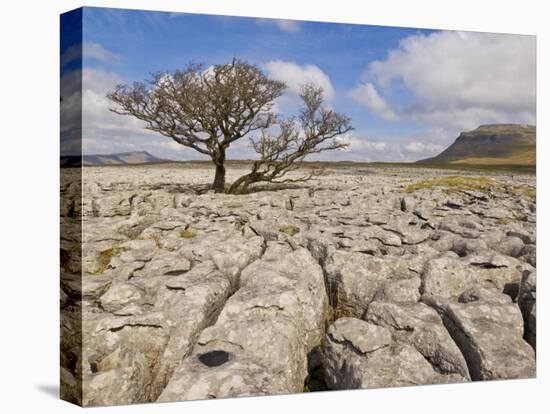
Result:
[
  {"x": 497, "y": 144},
  {"x": 135, "y": 157}
]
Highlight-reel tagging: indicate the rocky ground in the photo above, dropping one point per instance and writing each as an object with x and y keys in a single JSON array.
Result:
[{"x": 362, "y": 278}]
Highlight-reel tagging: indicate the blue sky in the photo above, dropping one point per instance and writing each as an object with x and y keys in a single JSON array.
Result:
[{"x": 409, "y": 91}]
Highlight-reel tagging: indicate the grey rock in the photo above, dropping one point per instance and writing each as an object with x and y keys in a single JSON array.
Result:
[
  {"x": 362, "y": 355},
  {"x": 511, "y": 246},
  {"x": 464, "y": 247},
  {"x": 261, "y": 339},
  {"x": 518, "y": 231},
  {"x": 239, "y": 307},
  {"x": 385, "y": 237},
  {"x": 166, "y": 263},
  {"x": 119, "y": 296},
  {"x": 449, "y": 277},
  {"x": 466, "y": 228},
  {"x": 114, "y": 205},
  {"x": 190, "y": 303},
  {"x": 354, "y": 280},
  {"x": 399, "y": 290},
  {"x": 230, "y": 252},
  {"x": 408, "y": 204},
  {"x": 490, "y": 336},
  {"x": 527, "y": 301},
  {"x": 497, "y": 213},
  {"x": 418, "y": 325},
  {"x": 121, "y": 376},
  {"x": 486, "y": 295},
  {"x": 530, "y": 254}
]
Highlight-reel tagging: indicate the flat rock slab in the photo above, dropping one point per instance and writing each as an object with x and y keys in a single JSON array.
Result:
[
  {"x": 490, "y": 336},
  {"x": 420, "y": 326},
  {"x": 449, "y": 276},
  {"x": 260, "y": 341},
  {"x": 359, "y": 354},
  {"x": 356, "y": 279}
]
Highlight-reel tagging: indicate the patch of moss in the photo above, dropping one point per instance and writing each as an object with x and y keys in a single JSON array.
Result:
[
  {"x": 456, "y": 183},
  {"x": 105, "y": 257},
  {"x": 290, "y": 230},
  {"x": 187, "y": 234},
  {"x": 527, "y": 191},
  {"x": 502, "y": 221}
]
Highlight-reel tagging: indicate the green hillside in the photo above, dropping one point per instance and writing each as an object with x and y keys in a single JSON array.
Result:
[{"x": 499, "y": 144}]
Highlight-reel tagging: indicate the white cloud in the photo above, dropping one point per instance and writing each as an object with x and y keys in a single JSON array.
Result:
[
  {"x": 289, "y": 26},
  {"x": 366, "y": 94},
  {"x": 98, "y": 52},
  {"x": 461, "y": 80},
  {"x": 295, "y": 75},
  {"x": 416, "y": 147},
  {"x": 106, "y": 132},
  {"x": 88, "y": 51},
  {"x": 388, "y": 148}
]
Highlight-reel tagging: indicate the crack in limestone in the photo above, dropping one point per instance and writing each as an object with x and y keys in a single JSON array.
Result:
[
  {"x": 223, "y": 341},
  {"x": 462, "y": 339},
  {"x": 487, "y": 265},
  {"x": 268, "y": 307},
  {"x": 211, "y": 318},
  {"x": 353, "y": 347},
  {"x": 138, "y": 325}
]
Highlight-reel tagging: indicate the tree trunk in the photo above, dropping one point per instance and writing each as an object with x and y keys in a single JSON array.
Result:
[
  {"x": 218, "y": 157},
  {"x": 238, "y": 186},
  {"x": 219, "y": 178}
]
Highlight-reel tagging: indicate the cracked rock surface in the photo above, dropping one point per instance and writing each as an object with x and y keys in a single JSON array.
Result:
[{"x": 361, "y": 278}]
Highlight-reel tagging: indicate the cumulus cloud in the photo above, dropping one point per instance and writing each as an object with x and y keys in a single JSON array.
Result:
[
  {"x": 366, "y": 94},
  {"x": 103, "y": 131},
  {"x": 296, "y": 75},
  {"x": 93, "y": 129},
  {"x": 372, "y": 148},
  {"x": 423, "y": 148},
  {"x": 70, "y": 113},
  {"x": 461, "y": 80}
]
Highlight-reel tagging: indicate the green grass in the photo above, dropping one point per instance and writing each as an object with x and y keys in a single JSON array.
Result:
[
  {"x": 461, "y": 183},
  {"x": 290, "y": 230},
  {"x": 454, "y": 183},
  {"x": 187, "y": 234},
  {"x": 526, "y": 191}
]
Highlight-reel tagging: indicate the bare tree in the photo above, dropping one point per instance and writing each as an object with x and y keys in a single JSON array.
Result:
[
  {"x": 203, "y": 109},
  {"x": 317, "y": 129}
]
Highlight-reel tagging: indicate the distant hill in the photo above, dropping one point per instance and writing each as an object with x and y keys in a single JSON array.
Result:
[
  {"x": 136, "y": 157},
  {"x": 498, "y": 144}
]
